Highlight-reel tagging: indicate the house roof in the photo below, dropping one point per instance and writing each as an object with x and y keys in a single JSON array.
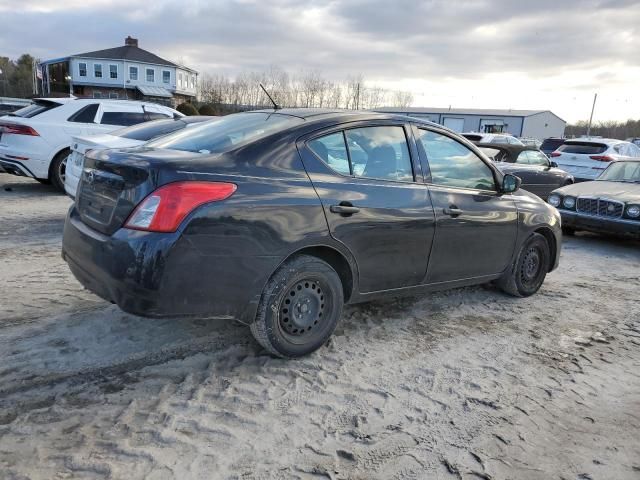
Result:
[
  {"x": 465, "y": 111},
  {"x": 127, "y": 52}
]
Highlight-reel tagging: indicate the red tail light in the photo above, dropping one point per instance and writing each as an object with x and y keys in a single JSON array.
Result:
[
  {"x": 164, "y": 209},
  {"x": 601, "y": 158},
  {"x": 17, "y": 129},
  {"x": 555, "y": 154}
]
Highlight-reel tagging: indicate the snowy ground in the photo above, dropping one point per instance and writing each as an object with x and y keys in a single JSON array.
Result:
[{"x": 468, "y": 383}]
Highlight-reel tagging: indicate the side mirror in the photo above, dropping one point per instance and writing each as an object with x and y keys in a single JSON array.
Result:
[
  {"x": 510, "y": 183},
  {"x": 553, "y": 164}
]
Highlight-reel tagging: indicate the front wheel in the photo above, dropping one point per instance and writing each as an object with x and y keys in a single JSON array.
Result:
[
  {"x": 58, "y": 169},
  {"x": 300, "y": 308},
  {"x": 530, "y": 268}
]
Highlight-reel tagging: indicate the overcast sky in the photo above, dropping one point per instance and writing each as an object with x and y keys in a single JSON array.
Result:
[{"x": 539, "y": 54}]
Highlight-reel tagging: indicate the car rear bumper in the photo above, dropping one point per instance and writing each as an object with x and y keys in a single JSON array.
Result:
[
  {"x": 163, "y": 275},
  {"x": 620, "y": 226},
  {"x": 15, "y": 167}
]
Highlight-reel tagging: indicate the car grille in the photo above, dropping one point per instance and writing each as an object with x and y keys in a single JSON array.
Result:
[{"x": 599, "y": 207}]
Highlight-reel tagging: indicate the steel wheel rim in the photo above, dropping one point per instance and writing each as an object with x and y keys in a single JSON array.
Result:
[
  {"x": 531, "y": 268},
  {"x": 303, "y": 310}
]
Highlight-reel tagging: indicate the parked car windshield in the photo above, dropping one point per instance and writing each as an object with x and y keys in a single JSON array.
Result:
[
  {"x": 36, "y": 108},
  {"x": 585, "y": 148},
  {"x": 227, "y": 133},
  {"x": 622, "y": 172}
]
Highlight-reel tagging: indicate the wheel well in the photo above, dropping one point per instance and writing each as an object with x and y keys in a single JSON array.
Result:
[
  {"x": 337, "y": 261},
  {"x": 551, "y": 241},
  {"x": 54, "y": 157}
]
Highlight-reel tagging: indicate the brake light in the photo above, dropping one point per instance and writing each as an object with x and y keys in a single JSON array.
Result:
[
  {"x": 17, "y": 129},
  {"x": 555, "y": 154},
  {"x": 601, "y": 158},
  {"x": 164, "y": 209}
]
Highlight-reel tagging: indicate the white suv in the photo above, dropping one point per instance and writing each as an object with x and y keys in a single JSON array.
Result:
[
  {"x": 586, "y": 158},
  {"x": 35, "y": 141}
]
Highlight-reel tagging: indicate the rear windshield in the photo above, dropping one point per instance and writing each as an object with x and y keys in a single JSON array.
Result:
[
  {"x": 586, "y": 148},
  {"x": 551, "y": 143},
  {"x": 149, "y": 130},
  {"x": 36, "y": 108},
  {"x": 227, "y": 133}
]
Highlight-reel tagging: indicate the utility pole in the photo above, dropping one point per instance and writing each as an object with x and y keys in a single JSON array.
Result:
[{"x": 595, "y": 96}]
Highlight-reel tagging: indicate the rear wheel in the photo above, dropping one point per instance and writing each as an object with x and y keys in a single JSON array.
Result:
[
  {"x": 530, "y": 269},
  {"x": 300, "y": 308},
  {"x": 58, "y": 169}
]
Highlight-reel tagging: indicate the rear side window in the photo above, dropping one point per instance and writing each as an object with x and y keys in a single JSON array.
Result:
[
  {"x": 380, "y": 152},
  {"x": 537, "y": 158},
  {"x": 494, "y": 154},
  {"x": 36, "y": 108},
  {"x": 453, "y": 164},
  {"x": 333, "y": 151},
  {"x": 122, "y": 118},
  {"x": 149, "y": 130},
  {"x": 156, "y": 116},
  {"x": 586, "y": 148},
  {"x": 85, "y": 115}
]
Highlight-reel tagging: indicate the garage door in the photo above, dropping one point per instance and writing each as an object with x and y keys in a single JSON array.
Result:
[{"x": 455, "y": 124}]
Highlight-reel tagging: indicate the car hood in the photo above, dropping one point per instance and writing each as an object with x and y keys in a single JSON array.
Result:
[{"x": 623, "y": 192}]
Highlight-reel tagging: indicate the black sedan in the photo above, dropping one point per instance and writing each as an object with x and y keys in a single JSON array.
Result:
[
  {"x": 278, "y": 218},
  {"x": 609, "y": 204},
  {"x": 539, "y": 175}
]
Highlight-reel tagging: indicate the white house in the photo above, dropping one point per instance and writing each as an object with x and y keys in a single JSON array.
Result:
[{"x": 126, "y": 72}]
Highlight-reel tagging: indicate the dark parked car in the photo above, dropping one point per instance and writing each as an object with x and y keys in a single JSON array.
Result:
[
  {"x": 539, "y": 175},
  {"x": 278, "y": 218},
  {"x": 609, "y": 204},
  {"x": 550, "y": 145}
]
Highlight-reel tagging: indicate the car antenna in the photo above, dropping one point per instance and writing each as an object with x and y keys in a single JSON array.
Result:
[{"x": 275, "y": 105}]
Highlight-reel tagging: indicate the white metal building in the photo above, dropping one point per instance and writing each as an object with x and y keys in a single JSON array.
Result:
[{"x": 521, "y": 123}]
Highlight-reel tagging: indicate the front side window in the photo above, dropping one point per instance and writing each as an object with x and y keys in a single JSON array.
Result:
[
  {"x": 166, "y": 76},
  {"x": 333, "y": 151},
  {"x": 151, "y": 75},
  {"x": 122, "y": 118},
  {"x": 453, "y": 164},
  {"x": 113, "y": 71},
  {"x": 82, "y": 69},
  {"x": 133, "y": 73},
  {"x": 97, "y": 70}
]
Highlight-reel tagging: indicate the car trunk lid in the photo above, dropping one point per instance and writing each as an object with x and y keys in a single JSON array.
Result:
[{"x": 113, "y": 182}]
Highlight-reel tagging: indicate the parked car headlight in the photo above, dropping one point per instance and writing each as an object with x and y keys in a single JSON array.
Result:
[
  {"x": 633, "y": 211},
  {"x": 554, "y": 199},
  {"x": 569, "y": 202}
]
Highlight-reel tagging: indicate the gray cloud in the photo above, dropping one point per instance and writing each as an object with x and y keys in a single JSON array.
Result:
[{"x": 381, "y": 39}]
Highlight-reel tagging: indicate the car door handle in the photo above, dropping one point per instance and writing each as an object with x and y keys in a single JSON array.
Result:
[
  {"x": 452, "y": 211},
  {"x": 344, "y": 209}
]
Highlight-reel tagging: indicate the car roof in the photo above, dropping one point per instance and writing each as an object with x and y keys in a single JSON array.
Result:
[
  {"x": 311, "y": 114},
  {"x": 607, "y": 141},
  {"x": 63, "y": 100}
]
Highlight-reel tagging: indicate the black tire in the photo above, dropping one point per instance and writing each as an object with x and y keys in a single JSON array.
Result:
[
  {"x": 58, "y": 168},
  {"x": 300, "y": 308},
  {"x": 44, "y": 181},
  {"x": 568, "y": 231},
  {"x": 530, "y": 268}
]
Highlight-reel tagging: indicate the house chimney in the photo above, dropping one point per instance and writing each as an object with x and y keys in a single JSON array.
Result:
[{"x": 130, "y": 41}]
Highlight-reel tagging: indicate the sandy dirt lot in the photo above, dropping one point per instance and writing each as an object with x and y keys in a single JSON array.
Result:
[{"x": 465, "y": 384}]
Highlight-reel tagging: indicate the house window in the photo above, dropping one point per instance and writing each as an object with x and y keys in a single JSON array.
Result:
[
  {"x": 97, "y": 70},
  {"x": 180, "y": 80},
  {"x": 82, "y": 69},
  {"x": 97, "y": 94},
  {"x": 113, "y": 95},
  {"x": 151, "y": 75},
  {"x": 133, "y": 73},
  {"x": 166, "y": 76},
  {"x": 193, "y": 81},
  {"x": 113, "y": 71}
]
